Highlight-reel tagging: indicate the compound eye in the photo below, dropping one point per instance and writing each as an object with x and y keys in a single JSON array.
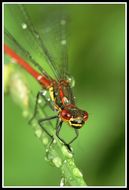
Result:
[
  {"x": 85, "y": 116},
  {"x": 65, "y": 114}
]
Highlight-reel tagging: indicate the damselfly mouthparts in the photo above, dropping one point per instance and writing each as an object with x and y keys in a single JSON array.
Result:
[{"x": 58, "y": 85}]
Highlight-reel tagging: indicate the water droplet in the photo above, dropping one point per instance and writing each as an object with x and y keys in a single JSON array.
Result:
[
  {"x": 70, "y": 162},
  {"x": 54, "y": 141},
  {"x": 44, "y": 92},
  {"x": 65, "y": 161},
  {"x": 63, "y": 22},
  {"x": 50, "y": 156},
  {"x": 39, "y": 101},
  {"x": 57, "y": 162},
  {"x": 63, "y": 42},
  {"x": 71, "y": 81},
  {"x": 45, "y": 141},
  {"x": 47, "y": 150},
  {"x": 77, "y": 173},
  {"x": 24, "y": 26},
  {"x": 38, "y": 132},
  {"x": 62, "y": 182},
  {"x": 66, "y": 152}
]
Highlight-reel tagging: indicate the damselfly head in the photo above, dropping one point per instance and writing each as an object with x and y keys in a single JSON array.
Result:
[{"x": 74, "y": 116}]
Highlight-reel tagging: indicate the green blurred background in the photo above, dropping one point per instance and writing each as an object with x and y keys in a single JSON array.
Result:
[{"x": 97, "y": 62}]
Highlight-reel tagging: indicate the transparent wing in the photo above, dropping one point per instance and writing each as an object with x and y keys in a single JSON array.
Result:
[
  {"x": 44, "y": 38},
  {"x": 9, "y": 39},
  {"x": 54, "y": 32}
]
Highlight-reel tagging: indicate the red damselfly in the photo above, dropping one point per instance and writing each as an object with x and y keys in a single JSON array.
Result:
[{"x": 59, "y": 85}]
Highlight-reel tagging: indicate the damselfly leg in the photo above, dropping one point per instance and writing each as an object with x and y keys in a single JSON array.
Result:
[
  {"x": 40, "y": 121},
  {"x": 58, "y": 123},
  {"x": 40, "y": 94},
  {"x": 58, "y": 128},
  {"x": 77, "y": 133}
]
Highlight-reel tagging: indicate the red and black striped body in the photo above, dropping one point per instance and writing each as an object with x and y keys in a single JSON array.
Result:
[{"x": 61, "y": 95}]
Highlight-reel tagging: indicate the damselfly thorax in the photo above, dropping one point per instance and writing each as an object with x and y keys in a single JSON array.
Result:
[{"x": 62, "y": 96}]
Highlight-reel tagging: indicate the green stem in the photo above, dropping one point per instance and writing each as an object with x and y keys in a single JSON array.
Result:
[{"x": 56, "y": 154}]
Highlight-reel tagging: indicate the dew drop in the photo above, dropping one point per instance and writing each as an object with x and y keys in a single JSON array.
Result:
[
  {"x": 44, "y": 92},
  {"x": 45, "y": 141},
  {"x": 77, "y": 173},
  {"x": 38, "y": 132},
  {"x": 24, "y": 26},
  {"x": 71, "y": 80},
  {"x": 49, "y": 156},
  {"x": 57, "y": 162},
  {"x": 62, "y": 182},
  {"x": 65, "y": 161},
  {"x": 70, "y": 162},
  {"x": 47, "y": 150},
  {"x": 39, "y": 101},
  {"x": 63, "y": 42},
  {"x": 66, "y": 152},
  {"x": 54, "y": 141}
]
